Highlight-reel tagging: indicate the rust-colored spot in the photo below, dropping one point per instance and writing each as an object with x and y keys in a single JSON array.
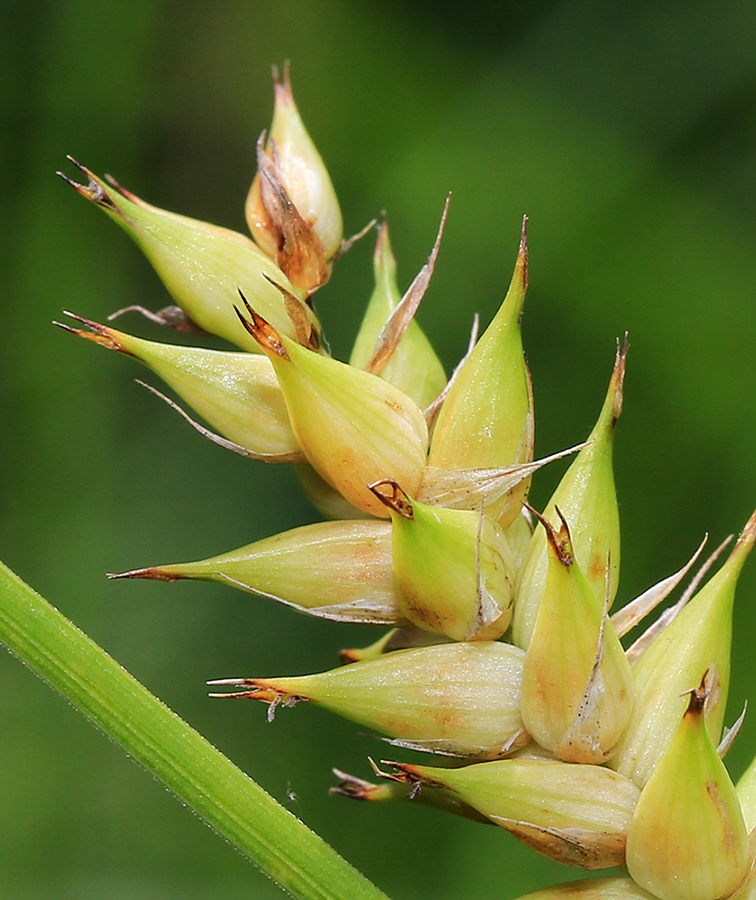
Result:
[{"x": 596, "y": 568}]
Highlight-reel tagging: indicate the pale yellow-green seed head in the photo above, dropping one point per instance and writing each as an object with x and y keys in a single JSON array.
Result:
[
  {"x": 203, "y": 266},
  {"x": 486, "y": 420},
  {"x": 696, "y": 641},
  {"x": 577, "y": 683},
  {"x": 333, "y": 570},
  {"x": 595, "y": 889},
  {"x": 688, "y": 839},
  {"x": 413, "y": 366},
  {"x": 353, "y": 427},
  {"x": 586, "y": 496},
  {"x": 453, "y": 570},
  {"x": 453, "y": 699},
  {"x": 575, "y": 814}
]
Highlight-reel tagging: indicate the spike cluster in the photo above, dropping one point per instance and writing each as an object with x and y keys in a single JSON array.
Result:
[{"x": 593, "y": 753}]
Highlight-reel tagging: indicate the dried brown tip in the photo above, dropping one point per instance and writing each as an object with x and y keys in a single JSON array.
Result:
[
  {"x": 93, "y": 190},
  {"x": 100, "y": 334},
  {"x": 154, "y": 573},
  {"x": 381, "y": 237},
  {"x": 353, "y": 787},
  {"x": 700, "y": 694},
  {"x": 406, "y": 774},
  {"x": 393, "y": 497},
  {"x": 522, "y": 254},
  {"x": 122, "y": 190},
  {"x": 263, "y": 332},
  {"x": 282, "y": 88},
  {"x": 306, "y": 333},
  {"x": 747, "y": 536},
  {"x": 618, "y": 377},
  {"x": 560, "y": 541},
  {"x": 403, "y": 314}
]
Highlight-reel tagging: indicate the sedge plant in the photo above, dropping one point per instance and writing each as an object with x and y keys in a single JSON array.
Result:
[{"x": 500, "y": 653}]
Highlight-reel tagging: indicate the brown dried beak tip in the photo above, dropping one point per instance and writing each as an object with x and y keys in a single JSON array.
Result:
[
  {"x": 251, "y": 693},
  {"x": 523, "y": 251},
  {"x": 239, "y": 695},
  {"x": 390, "y": 776},
  {"x": 100, "y": 335},
  {"x": 404, "y": 776},
  {"x": 153, "y": 574},
  {"x": 560, "y": 542},
  {"x": 397, "y": 500},
  {"x": 92, "y": 191},
  {"x": 351, "y": 786},
  {"x": 278, "y": 287},
  {"x": 698, "y": 695},
  {"x": 262, "y": 331},
  {"x": 119, "y": 187}
]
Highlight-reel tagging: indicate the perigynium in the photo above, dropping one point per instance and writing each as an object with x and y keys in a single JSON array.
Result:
[{"x": 503, "y": 655}]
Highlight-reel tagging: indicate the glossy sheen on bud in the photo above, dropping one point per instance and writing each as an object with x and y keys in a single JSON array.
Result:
[
  {"x": 697, "y": 640},
  {"x": 335, "y": 570},
  {"x": 236, "y": 393},
  {"x": 452, "y": 569},
  {"x": 353, "y": 427},
  {"x": 202, "y": 266},
  {"x": 688, "y": 840},
  {"x": 574, "y": 814},
  {"x": 746, "y": 789},
  {"x": 587, "y": 498},
  {"x": 595, "y": 889},
  {"x": 413, "y": 366},
  {"x": 455, "y": 699},
  {"x": 486, "y": 420},
  {"x": 571, "y": 703}
]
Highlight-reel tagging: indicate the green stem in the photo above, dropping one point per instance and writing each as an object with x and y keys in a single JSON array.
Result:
[{"x": 202, "y": 777}]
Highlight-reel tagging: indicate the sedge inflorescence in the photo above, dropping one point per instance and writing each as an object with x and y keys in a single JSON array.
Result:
[{"x": 503, "y": 655}]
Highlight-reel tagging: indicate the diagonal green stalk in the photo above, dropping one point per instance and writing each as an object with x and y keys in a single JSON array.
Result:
[{"x": 201, "y": 776}]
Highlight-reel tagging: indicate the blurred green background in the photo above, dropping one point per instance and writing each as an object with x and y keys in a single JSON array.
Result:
[{"x": 627, "y": 132}]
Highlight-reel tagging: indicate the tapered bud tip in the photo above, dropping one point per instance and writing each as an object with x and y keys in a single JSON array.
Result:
[
  {"x": 699, "y": 695},
  {"x": 392, "y": 496},
  {"x": 384, "y": 263},
  {"x": 99, "y": 334},
  {"x": 282, "y": 87},
  {"x": 618, "y": 377},
  {"x": 154, "y": 573},
  {"x": 94, "y": 190},
  {"x": 358, "y": 788},
  {"x": 745, "y": 542},
  {"x": 560, "y": 541},
  {"x": 522, "y": 254},
  {"x": 406, "y": 774},
  {"x": 263, "y": 332}
]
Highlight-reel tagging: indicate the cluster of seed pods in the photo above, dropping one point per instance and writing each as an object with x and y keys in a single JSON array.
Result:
[{"x": 502, "y": 653}]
